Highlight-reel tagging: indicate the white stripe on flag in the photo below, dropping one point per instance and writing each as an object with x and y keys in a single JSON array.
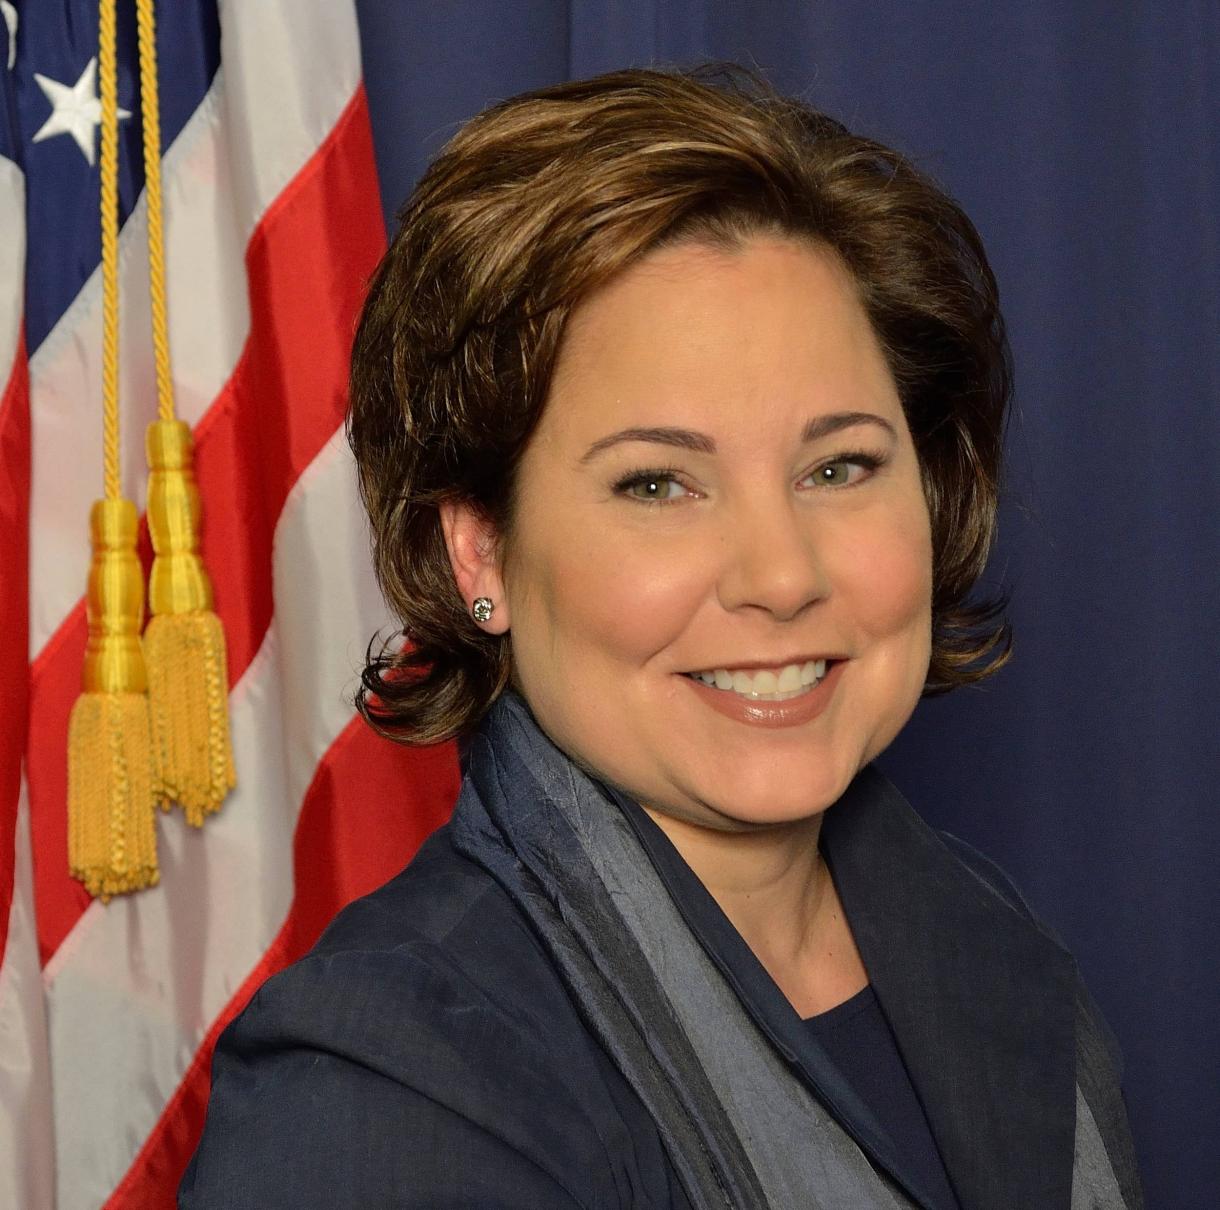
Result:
[
  {"x": 27, "y": 1162},
  {"x": 12, "y": 262},
  {"x": 291, "y": 68},
  {"x": 138, "y": 982},
  {"x": 27, "y": 1135}
]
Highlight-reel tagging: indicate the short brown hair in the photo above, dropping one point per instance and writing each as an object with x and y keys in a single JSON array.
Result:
[{"x": 540, "y": 200}]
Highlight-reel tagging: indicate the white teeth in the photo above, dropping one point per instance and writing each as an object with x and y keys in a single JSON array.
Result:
[{"x": 768, "y": 684}]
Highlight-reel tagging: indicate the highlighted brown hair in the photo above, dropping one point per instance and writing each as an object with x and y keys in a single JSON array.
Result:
[{"x": 543, "y": 198}]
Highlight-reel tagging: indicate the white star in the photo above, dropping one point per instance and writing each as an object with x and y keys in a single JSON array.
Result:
[{"x": 75, "y": 110}]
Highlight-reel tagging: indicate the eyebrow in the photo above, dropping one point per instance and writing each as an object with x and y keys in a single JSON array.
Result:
[{"x": 700, "y": 443}]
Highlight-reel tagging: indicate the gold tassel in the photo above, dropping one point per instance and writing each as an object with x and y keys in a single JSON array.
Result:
[
  {"x": 112, "y": 843},
  {"x": 184, "y": 645}
]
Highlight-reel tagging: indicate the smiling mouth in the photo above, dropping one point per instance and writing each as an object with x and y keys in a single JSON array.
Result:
[{"x": 767, "y": 684}]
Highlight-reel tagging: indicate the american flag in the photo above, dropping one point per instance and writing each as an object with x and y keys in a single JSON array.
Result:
[{"x": 109, "y": 1012}]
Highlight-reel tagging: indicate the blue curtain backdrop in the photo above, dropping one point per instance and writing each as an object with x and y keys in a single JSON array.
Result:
[{"x": 1084, "y": 140}]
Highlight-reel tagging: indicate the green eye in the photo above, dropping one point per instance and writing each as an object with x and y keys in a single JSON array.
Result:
[
  {"x": 846, "y": 471},
  {"x": 652, "y": 488}
]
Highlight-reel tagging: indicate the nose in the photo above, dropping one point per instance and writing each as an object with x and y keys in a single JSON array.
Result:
[{"x": 772, "y": 560}]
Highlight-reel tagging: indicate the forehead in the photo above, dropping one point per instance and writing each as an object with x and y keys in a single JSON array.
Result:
[{"x": 768, "y": 331}]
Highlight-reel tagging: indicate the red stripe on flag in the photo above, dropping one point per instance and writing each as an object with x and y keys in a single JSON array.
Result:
[
  {"x": 370, "y": 806},
  {"x": 307, "y": 265},
  {"x": 14, "y": 629}
]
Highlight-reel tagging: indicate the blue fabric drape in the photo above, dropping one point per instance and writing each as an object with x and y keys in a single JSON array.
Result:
[{"x": 1083, "y": 141}]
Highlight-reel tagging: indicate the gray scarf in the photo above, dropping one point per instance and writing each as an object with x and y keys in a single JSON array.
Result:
[{"x": 739, "y": 1124}]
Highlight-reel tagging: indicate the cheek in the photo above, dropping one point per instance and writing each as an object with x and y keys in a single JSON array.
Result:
[
  {"x": 889, "y": 579},
  {"x": 595, "y": 596}
]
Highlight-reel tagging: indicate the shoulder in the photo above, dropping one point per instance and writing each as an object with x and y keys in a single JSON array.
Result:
[
  {"x": 1091, "y": 1023},
  {"x": 992, "y": 876},
  {"x": 439, "y": 941},
  {"x": 424, "y": 1044}
]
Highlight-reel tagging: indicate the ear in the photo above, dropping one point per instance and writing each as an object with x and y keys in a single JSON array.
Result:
[{"x": 472, "y": 544}]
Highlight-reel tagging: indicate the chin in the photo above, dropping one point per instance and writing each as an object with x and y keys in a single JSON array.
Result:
[{"x": 778, "y": 795}]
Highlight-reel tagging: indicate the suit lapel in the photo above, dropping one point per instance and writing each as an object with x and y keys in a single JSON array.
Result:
[{"x": 979, "y": 999}]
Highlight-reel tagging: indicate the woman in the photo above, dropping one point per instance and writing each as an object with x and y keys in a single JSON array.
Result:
[{"x": 678, "y": 414}]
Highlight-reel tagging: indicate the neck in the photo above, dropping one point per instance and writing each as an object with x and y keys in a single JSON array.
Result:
[{"x": 770, "y": 882}]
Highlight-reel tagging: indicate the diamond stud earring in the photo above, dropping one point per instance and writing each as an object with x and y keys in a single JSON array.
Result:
[{"x": 481, "y": 609}]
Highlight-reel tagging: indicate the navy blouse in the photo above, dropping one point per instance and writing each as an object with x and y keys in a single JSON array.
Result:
[{"x": 860, "y": 1041}]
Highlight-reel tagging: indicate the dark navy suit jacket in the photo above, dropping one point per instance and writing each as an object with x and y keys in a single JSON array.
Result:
[{"x": 426, "y": 1053}]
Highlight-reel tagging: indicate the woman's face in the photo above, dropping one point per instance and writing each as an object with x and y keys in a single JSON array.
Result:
[{"x": 722, "y": 482}]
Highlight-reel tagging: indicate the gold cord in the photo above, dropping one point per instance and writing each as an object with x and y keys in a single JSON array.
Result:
[
  {"x": 184, "y": 644},
  {"x": 110, "y": 249},
  {"x": 151, "y": 119},
  {"x": 112, "y": 789}
]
